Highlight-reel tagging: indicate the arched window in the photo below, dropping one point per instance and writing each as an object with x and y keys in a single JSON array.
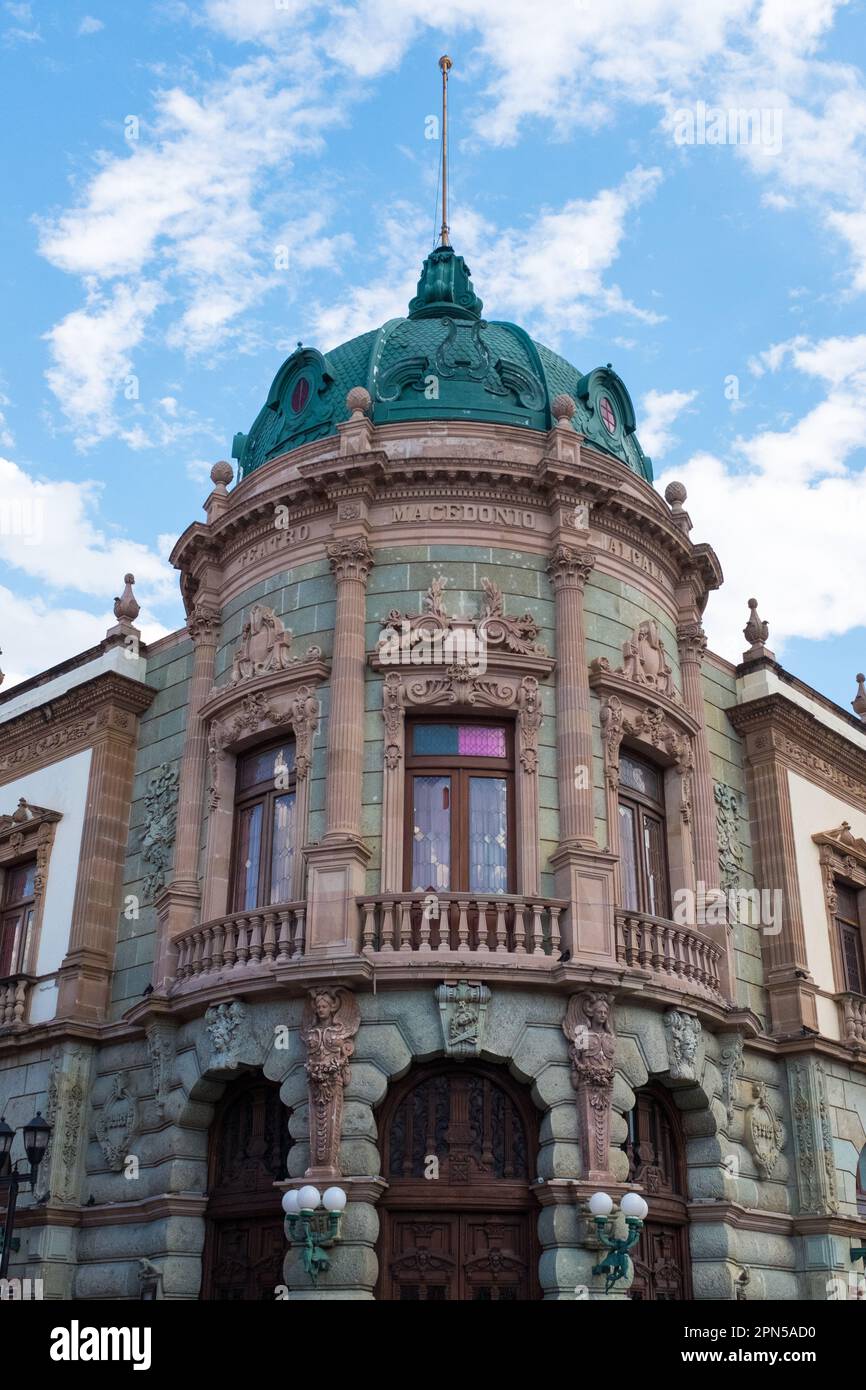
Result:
[
  {"x": 643, "y": 836},
  {"x": 264, "y": 840}
]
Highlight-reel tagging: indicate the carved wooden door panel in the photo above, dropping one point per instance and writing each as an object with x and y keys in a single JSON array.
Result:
[
  {"x": 458, "y": 1218},
  {"x": 244, "y": 1241},
  {"x": 656, "y": 1154}
]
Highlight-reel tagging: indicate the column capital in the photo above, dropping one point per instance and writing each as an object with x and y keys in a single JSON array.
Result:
[
  {"x": 203, "y": 623},
  {"x": 692, "y": 641},
  {"x": 569, "y": 567},
  {"x": 350, "y": 558}
]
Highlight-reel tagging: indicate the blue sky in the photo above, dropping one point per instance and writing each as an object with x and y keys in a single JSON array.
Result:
[{"x": 163, "y": 153}]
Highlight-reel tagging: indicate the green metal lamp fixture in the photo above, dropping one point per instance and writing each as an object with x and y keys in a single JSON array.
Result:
[
  {"x": 312, "y": 1228},
  {"x": 614, "y": 1266}
]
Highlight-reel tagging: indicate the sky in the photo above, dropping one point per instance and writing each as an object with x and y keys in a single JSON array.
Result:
[{"x": 190, "y": 188}]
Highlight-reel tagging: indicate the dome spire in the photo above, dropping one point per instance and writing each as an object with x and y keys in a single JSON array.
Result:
[{"x": 445, "y": 64}]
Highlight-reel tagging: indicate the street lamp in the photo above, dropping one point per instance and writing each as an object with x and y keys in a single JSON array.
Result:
[
  {"x": 314, "y": 1229},
  {"x": 36, "y": 1136},
  {"x": 614, "y": 1266}
]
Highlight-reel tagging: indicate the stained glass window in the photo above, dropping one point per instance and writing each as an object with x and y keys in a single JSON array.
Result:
[
  {"x": 431, "y": 834},
  {"x": 283, "y": 848},
  {"x": 488, "y": 835},
  {"x": 300, "y": 395},
  {"x": 461, "y": 740},
  {"x": 608, "y": 414},
  {"x": 250, "y": 846}
]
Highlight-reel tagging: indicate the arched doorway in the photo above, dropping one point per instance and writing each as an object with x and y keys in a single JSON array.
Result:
[
  {"x": 244, "y": 1241},
  {"x": 458, "y": 1218},
  {"x": 656, "y": 1155}
]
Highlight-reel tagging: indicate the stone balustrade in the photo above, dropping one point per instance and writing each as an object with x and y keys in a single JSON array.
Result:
[
  {"x": 14, "y": 993},
  {"x": 854, "y": 1019},
  {"x": 678, "y": 957},
  {"x": 462, "y": 923},
  {"x": 267, "y": 935}
]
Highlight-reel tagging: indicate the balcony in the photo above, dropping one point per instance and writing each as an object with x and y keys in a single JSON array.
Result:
[
  {"x": 853, "y": 1008},
  {"x": 679, "y": 958},
  {"x": 244, "y": 942},
  {"x": 14, "y": 991},
  {"x": 461, "y": 924}
]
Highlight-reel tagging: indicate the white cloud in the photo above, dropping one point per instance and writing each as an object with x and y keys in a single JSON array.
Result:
[
  {"x": 38, "y": 634},
  {"x": 788, "y": 497},
  {"x": 90, "y": 25},
  {"x": 659, "y": 410},
  {"x": 50, "y": 532}
]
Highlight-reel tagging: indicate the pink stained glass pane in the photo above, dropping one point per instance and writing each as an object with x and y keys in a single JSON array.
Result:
[
  {"x": 607, "y": 414},
  {"x": 481, "y": 743}
]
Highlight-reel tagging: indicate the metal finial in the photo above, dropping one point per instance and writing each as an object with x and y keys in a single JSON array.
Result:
[{"x": 445, "y": 64}]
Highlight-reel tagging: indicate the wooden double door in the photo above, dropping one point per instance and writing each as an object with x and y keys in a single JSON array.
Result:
[
  {"x": 244, "y": 1241},
  {"x": 458, "y": 1218}
]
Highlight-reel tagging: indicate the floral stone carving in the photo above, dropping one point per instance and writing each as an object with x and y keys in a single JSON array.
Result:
[
  {"x": 763, "y": 1133},
  {"x": 491, "y": 626},
  {"x": 592, "y": 1043},
  {"x": 463, "y": 1008},
  {"x": 728, "y": 834},
  {"x": 330, "y": 1021},
  {"x": 682, "y": 1034},
  {"x": 117, "y": 1122},
  {"x": 157, "y": 841}
]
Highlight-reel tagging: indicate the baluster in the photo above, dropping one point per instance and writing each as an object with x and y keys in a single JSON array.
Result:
[
  {"x": 481, "y": 935},
  {"x": 387, "y": 927},
  {"x": 501, "y": 929},
  {"x": 463, "y": 928},
  {"x": 657, "y": 957},
  {"x": 182, "y": 956},
  {"x": 20, "y": 1001},
  {"x": 537, "y": 930},
  {"x": 219, "y": 936},
  {"x": 300, "y": 929},
  {"x": 255, "y": 938},
  {"x": 519, "y": 930},
  {"x": 230, "y": 951},
  {"x": 425, "y": 929},
  {"x": 206, "y": 934},
  {"x": 406, "y": 925},
  {"x": 5, "y": 996},
  {"x": 369, "y": 928},
  {"x": 243, "y": 946},
  {"x": 196, "y": 956},
  {"x": 284, "y": 940},
  {"x": 666, "y": 964},
  {"x": 269, "y": 944},
  {"x": 555, "y": 938},
  {"x": 444, "y": 925}
]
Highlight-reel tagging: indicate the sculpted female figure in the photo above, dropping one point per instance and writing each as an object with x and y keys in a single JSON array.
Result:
[{"x": 330, "y": 1022}]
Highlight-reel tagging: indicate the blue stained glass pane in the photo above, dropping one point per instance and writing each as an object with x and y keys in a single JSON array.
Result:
[{"x": 435, "y": 738}]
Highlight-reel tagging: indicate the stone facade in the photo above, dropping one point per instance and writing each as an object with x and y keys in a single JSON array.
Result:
[{"x": 742, "y": 1020}]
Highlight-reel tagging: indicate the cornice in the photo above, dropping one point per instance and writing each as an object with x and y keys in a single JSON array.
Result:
[
  {"x": 606, "y": 682},
  {"x": 72, "y": 721},
  {"x": 225, "y": 698},
  {"x": 775, "y": 728}
]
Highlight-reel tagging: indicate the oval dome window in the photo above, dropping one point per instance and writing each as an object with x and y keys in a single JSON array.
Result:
[
  {"x": 608, "y": 414},
  {"x": 300, "y": 395}
]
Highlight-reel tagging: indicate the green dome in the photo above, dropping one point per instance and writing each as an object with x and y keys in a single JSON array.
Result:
[{"x": 442, "y": 362}]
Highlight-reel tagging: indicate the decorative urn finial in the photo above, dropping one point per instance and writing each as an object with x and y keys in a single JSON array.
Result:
[
  {"x": 562, "y": 408},
  {"x": 858, "y": 704},
  {"x": 221, "y": 475},
  {"x": 358, "y": 401},
  {"x": 756, "y": 632},
  {"x": 127, "y": 608}
]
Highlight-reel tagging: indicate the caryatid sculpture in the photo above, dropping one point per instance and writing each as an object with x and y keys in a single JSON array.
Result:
[
  {"x": 329, "y": 1024},
  {"x": 592, "y": 1044}
]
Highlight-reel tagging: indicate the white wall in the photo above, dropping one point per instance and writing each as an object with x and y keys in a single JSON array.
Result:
[
  {"x": 61, "y": 787},
  {"x": 814, "y": 810}
]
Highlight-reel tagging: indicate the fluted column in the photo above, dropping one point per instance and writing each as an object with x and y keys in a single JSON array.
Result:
[
  {"x": 583, "y": 873},
  {"x": 337, "y": 866},
  {"x": 569, "y": 570},
  {"x": 178, "y": 903},
  {"x": 351, "y": 560}
]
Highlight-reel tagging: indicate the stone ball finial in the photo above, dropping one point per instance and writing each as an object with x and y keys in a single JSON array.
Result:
[
  {"x": 358, "y": 401},
  {"x": 675, "y": 496},
  {"x": 858, "y": 704},
  {"x": 127, "y": 608},
  {"x": 221, "y": 474},
  {"x": 562, "y": 407}
]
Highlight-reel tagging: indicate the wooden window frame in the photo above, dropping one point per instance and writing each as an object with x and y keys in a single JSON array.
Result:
[
  {"x": 460, "y": 768},
  {"x": 639, "y": 804},
  {"x": 267, "y": 794},
  {"x": 842, "y": 859},
  {"x": 25, "y": 909},
  {"x": 856, "y": 925}
]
